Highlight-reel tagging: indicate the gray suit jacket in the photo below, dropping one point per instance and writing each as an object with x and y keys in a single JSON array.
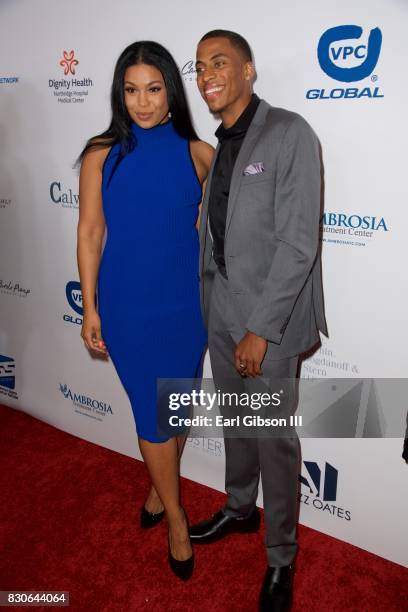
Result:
[{"x": 272, "y": 235}]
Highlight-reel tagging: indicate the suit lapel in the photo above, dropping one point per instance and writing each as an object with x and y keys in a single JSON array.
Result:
[{"x": 249, "y": 142}]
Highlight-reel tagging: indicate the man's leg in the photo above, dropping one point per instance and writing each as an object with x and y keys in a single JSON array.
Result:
[
  {"x": 279, "y": 464},
  {"x": 242, "y": 467}
]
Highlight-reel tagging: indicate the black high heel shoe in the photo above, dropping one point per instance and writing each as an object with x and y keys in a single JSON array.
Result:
[
  {"x": 149, "y": 519},
  {"x": 182, "y": 569}
]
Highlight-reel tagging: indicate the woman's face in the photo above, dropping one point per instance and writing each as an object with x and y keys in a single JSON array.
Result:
[{"x": 146, "y": 95}]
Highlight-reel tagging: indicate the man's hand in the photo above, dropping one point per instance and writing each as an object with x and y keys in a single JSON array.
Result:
[{"x": 249, "y": 354}]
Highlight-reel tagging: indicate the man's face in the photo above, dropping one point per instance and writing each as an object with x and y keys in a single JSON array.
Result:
[{"x": 223, "y": 74}]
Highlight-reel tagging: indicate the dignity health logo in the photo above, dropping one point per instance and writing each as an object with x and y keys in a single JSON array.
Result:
[
  {"x": 93, "y": 408},
  {"x": 343, "y": 56},
  {"x": 70, "y": 90},
  {"x": 320, "y": 489},
  {"x": 69, "y": 62}
]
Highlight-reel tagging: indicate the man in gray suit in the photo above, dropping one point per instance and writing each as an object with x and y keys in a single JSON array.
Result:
[{"x": 260, "y": 287}]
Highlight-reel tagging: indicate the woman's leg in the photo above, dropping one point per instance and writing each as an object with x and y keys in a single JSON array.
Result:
[
  {"x": 153, "y": 502},
  {"x": 162, "y": 462}
]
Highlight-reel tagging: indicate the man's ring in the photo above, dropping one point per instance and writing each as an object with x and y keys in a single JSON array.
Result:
[{"x": 242, "y": 366}]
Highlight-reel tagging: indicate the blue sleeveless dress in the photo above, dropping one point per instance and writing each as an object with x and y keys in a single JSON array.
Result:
[{"x": 148, "y": 285}]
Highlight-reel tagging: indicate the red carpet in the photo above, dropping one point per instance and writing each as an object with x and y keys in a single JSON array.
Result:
[{"x": 69, "y": 521}]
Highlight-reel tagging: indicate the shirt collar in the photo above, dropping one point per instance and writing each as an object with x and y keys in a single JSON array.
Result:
[{"x": 242, "y": 123}]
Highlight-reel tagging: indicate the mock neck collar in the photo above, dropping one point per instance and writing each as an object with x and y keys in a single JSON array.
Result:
[
  {"x": 243, "y": 122},
  {"x": 156, "y": 130}
]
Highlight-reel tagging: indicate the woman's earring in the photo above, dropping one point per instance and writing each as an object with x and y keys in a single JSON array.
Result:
[{"x": 169, "y": 114}]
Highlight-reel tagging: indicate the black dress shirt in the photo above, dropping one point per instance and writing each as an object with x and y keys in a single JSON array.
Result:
[{"x": 231, "y": 140}]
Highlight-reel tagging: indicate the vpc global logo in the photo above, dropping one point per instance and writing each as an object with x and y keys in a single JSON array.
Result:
[
  {"x": 86, "y": 405},
  {"x": 71, "y": 89},
  {"x": 319, "y": 490},
  {"x": 74, "y": 299},
  {"x": 344, "y": 56},
  {"x": 66, "y": 198}
]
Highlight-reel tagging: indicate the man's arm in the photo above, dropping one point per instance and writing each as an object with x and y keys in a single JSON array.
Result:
[{"x": 297, "y": 209}]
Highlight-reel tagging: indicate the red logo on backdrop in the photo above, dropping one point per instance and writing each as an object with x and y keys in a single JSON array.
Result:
[{"x": 69, "y": 62}]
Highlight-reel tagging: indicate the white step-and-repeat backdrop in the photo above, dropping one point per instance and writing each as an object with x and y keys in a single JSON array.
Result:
[{"x": 341, "y": 65}]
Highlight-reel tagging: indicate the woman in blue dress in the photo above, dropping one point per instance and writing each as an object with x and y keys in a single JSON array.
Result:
[{"x": 141, "y": 180}]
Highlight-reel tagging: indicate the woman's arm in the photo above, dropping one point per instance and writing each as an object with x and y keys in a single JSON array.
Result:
[
  {"x": 90, "y": 233},
  {"x": 202, "y": 154}
]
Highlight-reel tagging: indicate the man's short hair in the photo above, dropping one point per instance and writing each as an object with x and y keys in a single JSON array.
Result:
[{"x": 235, "y": 39}]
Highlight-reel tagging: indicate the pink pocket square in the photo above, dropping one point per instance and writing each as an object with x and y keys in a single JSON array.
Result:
[{"x": 255, "y": 168}]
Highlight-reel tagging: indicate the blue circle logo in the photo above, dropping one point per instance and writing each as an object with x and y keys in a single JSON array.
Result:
[
  {"x": 74, "y": 296},
  {"x": 369, "y": 53}
]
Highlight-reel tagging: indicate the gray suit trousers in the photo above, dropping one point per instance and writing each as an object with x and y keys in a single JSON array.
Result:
[{"x": 274, "y": 459}]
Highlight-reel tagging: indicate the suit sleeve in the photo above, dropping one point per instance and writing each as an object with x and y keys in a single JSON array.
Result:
[{"x": 297, "y": 210}]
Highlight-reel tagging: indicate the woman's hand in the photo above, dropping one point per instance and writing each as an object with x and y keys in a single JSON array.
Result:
[{"x": 91, "y": 334}]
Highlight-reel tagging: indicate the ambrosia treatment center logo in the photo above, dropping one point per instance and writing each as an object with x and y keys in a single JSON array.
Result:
[
  {"x": 85, "y": 405},
  {"x": 351, "y": 228},
  {"x": 74, "y": 89},
  {"x": 345, "y": 57}
]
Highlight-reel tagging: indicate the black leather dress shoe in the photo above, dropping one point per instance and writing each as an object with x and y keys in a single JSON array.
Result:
[
  {"x": 148, "y": 519},
  {"x": 276, "y": 592},
  {"x": 221, "y": 525}
]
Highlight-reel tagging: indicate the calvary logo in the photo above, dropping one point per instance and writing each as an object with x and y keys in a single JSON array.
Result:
[
  {"x": 188, "y": 71},
  {"x": 67, "y": 198}
]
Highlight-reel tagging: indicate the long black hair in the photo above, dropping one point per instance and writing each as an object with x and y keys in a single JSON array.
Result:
[{"x": 119, "y": 130}]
